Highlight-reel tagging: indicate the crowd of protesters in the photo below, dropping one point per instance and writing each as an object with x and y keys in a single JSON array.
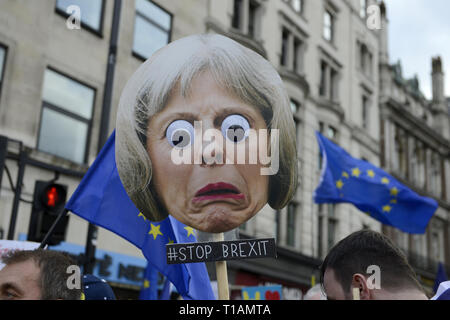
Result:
[{"x": 44, "y": 274}]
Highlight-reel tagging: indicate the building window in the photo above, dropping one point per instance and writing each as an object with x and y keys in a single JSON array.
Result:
[
  {"x": 284, "y": 47},
  {"x": 296, "y": 5},
  {"x": 298, "y": 55},
  {"x": 329, "y": 82},
  {"x": 331, "y": 133},
  {"x": 246, "y": 21},
  {"x": 420, "y": 159},
  {"x": 328, "y": 26},
  {"x": 290, "y": 224},
  {"x": 237, "y": 13},
  {"x": 323, "y": 76},
  {"x": 2, "y": 65},
  {"x": 291, "y": 51},
  {"x": 327, "y": 228},
  {"x": 362, "y": 8},
  {"x": 67, "y": 109},
  {"x": 252, "y": 18},
  {"x": 365, "y": 112},
  {"x": 332, "y": 223},
  {"x": 91, "y": 12},
  {"x": 332, "y": 95},
  {"x": 321, "y": 251},
  {"x": 152, "y": 28},
  {"x": 435, "y": 177},
  {"x": 365, "y": 60},
  {"x": 401, "y": 154},
  {"x": 294, "y": 106}
]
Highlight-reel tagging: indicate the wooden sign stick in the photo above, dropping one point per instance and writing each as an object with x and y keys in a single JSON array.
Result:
[
  {"x": 221, "y": 273},
  {"x": 356, "y": 295}
]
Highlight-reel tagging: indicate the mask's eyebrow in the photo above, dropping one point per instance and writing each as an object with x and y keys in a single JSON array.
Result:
[
  {"x": 10, "y": 285},
  {"x": 168, "y": 119}
]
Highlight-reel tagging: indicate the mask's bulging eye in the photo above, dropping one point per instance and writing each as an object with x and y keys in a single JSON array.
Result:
[
  {"x": 235, "y": 128},
  {"x": 180, "y": 133}
]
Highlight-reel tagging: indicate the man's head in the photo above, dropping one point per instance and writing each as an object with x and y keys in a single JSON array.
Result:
[
  {"x": 353, "y": 263},
  {"x": 36, "y": 275}
]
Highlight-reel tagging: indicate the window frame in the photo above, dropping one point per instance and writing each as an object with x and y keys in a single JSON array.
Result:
[
  {"x": 291, "y": 227},
  {"x": 2, "y": 73},
  {"x": 290, "y": 3},
  {"x": 99, "y": 32},
  {"x": 45, "y": 104},
  {"x": 363, "y": 5},
  {"x": 365, "y": 111},
  {"x": 155, "y": 24},
  {"x": 331, "y": 26}
]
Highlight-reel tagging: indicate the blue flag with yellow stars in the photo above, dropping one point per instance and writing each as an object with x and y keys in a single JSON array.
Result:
[
  {"x": 102, "y": 200},
  {"x": 149, "y": 289},
  {"x": 371, "y": 190}
]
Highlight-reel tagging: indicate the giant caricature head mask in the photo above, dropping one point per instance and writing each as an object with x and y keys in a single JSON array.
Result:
[{"x": 195, "y": 127}]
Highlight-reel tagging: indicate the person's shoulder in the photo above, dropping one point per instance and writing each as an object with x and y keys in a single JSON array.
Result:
[{"x": 443, "y": 292}]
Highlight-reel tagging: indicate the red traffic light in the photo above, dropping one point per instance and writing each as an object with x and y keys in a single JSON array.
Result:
[{"x": 53, "y": 195}]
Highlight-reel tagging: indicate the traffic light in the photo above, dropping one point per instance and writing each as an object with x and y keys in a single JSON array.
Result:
[{"x": 48, "y": 201}]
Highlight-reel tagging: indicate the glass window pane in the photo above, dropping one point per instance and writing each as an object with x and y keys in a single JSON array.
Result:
[
  {"x": 331, "y": 233},
  {"x": 363, "y": 6},
  {"x": 327, "y": 30},
  {"x": 68, "y": 94},
  {"x": 91, "y": 11},
  {"x": 291, "y": 224},
  {"x": 2, "y": 61},
  {"x": 294, "y": 106},
  {"x": 154, "y": 13},
  {"x": 297, "y": 5},
  {"x": 331, "y": 132},
  {"x": 62, "y": 136},
  {"x": 148, "y": 38}
]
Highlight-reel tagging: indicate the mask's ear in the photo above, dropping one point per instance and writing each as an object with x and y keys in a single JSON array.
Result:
[{"x": 359, "y": 283}]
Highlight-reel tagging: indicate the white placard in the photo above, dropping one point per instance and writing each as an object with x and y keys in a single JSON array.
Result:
[{"x": 8, "y": 245}]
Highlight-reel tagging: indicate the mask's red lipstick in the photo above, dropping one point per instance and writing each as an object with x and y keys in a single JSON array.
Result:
[{"x": 218, "y": 191}]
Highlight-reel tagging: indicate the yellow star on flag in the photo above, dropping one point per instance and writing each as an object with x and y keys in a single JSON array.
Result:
[
  {"x": 155, "y": 231},
  {"x": 393, "y": 201},
  {"x": 370, "y": 173},
  {"x": 190, "y": 231},
  {"x": 142, "y": 215},
  {"x": 345, "y": 174},
  {"x": 387, "y": 208},
  {"x": 146, "y": 284},
  {"x": 385, "y": 180},
  {"x": 356, "y": 172},
  {"x": 170, "y": 241},
  {"x": 339, "y": 184},
  {"x": 394, "y": 191}
]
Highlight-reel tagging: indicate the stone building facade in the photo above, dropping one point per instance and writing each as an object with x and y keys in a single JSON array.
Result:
[{"x": 335, "y": 68}]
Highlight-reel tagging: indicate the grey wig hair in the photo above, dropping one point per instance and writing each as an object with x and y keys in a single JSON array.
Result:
[{"x": 240, "y": 70}]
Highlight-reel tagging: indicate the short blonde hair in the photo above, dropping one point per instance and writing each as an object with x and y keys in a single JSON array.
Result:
[{"x": 242, "y": 71}]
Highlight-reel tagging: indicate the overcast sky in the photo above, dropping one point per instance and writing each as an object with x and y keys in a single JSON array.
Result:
[{"x": 419, "y": 30}]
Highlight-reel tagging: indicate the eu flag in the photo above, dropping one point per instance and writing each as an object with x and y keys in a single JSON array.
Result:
[
  {"x": 441, "y": 276},
  {"x": 371, "y": 190},
  {"x": 149, "y": 290},
  {"x": 102, "y": 200}
]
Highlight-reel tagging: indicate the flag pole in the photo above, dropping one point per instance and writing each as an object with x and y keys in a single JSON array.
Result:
[
  {"x": 221, "y": 273},
  {"x": 62, "y": 214}
]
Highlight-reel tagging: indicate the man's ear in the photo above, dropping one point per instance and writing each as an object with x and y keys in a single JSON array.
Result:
[{"x": 359, "y": 282}]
